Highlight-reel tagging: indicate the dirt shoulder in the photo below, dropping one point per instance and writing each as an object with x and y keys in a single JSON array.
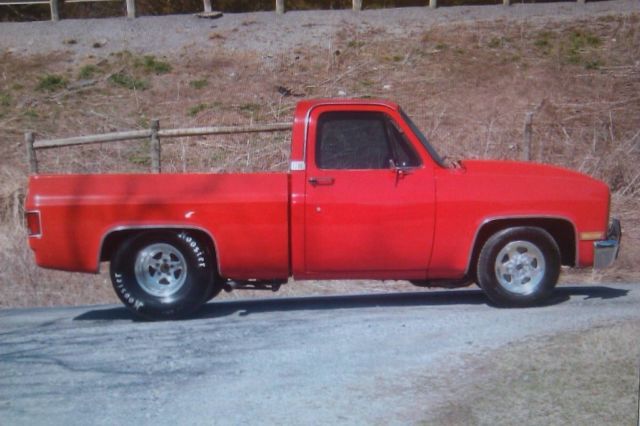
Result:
[
  {"x": 266, "y": 32},
  {"x": 585, "y": 377}
]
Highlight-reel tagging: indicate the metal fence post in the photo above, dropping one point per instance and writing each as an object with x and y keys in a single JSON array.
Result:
[
  {"x": 155, "y": 146},
  {"x": 526, "y": 146},
  {"x": 29, "y": 139},
  {"x": 433, "y": 4},
  {"x": 131, "y": 8},
  {"x": 506, "y": 2},
  {"x": 55, "y": 13},
  {"x": 357, "y": 5},
  {"x": 280, "y": 7},
  {"x": 207, "y": 6}
]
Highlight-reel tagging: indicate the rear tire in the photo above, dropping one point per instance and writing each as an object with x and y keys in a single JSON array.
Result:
[
  {"x": 162, "y": 275},
  {"x": 519, "y": 266}
]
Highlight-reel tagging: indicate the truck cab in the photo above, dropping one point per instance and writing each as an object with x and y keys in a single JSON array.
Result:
[{"x": 362, "y": 193}]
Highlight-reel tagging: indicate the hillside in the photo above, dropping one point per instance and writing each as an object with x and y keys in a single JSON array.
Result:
[{"x": 467, "y": 75}]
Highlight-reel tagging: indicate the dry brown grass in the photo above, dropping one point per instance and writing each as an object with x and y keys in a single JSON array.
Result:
[
  {"x": 469, "y": 86},
  {"x": 587, "y": 377}
]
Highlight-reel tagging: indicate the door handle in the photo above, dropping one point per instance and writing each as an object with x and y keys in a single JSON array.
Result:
[{"x": 322, "y": 180}]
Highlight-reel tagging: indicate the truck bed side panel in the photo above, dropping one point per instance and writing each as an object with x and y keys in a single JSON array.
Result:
[{"x": 245, "y": 214}]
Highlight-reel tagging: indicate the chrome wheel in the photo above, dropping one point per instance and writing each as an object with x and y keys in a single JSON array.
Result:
[
  {"x": 520, "y": 267},
  {"x": 160, "y": 269}
]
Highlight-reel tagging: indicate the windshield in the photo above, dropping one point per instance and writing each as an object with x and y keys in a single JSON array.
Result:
[{"x": 423, "y": 140}]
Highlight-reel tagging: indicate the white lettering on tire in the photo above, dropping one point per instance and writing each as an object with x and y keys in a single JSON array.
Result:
[
  {"x": 197, "y": 251},
  {"x": 128, "y": 297}
]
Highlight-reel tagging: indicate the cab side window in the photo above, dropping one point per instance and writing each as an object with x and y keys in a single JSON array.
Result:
[
  {"x": 352, "y": 140},
  {"x": 360, "y": 140}
]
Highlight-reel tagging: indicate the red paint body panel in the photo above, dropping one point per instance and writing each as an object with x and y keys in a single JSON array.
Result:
[
  {"x": 246, "y": 215},
  {"x": 482, "y": 191},
  {"x": 367, "y": 224}
]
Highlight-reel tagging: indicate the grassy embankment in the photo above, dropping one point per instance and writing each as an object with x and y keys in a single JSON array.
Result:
[{"x": 468, "y": 86}]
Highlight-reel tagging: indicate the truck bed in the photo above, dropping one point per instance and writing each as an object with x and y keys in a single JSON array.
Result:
[{"x": 246, "y": 216}]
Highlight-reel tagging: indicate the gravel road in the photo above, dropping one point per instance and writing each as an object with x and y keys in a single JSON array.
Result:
[
  {"x": 321, "y": 360},
  {"x": 267, "y": 33}
]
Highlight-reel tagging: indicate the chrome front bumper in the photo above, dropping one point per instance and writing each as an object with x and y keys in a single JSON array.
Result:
[{"x": 606, "y": 251}]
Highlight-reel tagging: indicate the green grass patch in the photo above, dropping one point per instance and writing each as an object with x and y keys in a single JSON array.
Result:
[
  {"x": 250, "y": 108},
  {"x": 87, "y": 72},
  {"x": 355, "y": 44},
  {"x": 594, "y": 64},
  {"x": 31, "y": 113},
  {"x": 51, "y": 83},
  {"x": 544, "y": 40},
  {"x": 5, "y": 99},
  {"x": 199, "y": 84},
  {"x": 141, "y": 156},
  {"x": 140, "y": 159},
  {"x": 152, "y": 65},
  {"x": 580, "y": 40},
  {"x": 143, "y": 122},
  {"x": 577, "y": 44},
  {"x": 575, "y": 47},
  {"x": 127, "y": 81},
  {"x": 495, "y": 43},
  {"x": 195, "y": 110}
]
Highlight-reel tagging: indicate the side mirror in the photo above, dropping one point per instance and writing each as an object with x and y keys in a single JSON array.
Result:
[{"x": 399, "y": 169}]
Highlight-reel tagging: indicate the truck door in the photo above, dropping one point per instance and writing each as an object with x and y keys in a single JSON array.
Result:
[{"x": 369, "y": 209}]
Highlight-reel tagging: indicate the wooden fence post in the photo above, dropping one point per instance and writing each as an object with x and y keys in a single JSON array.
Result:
[
  {"x": 55, "y": 13},
  {"x": 526, "y": 146},
  {"x": 131, "y": 9},
  {"x": 155, "y": 147},
  {"x": 207, "y": 6},
  {"x": 433, "y": 4},
  {"x": 29, "y": 139},
  {"x": 280, "y": 7},
  {"x": 357, "y": 5}
]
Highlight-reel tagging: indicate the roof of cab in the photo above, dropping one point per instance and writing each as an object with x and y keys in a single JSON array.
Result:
[{"x": 312, "y": 103}]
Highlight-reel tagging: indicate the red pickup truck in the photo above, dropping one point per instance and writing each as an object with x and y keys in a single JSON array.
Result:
[{"x": 366, "y": 197}]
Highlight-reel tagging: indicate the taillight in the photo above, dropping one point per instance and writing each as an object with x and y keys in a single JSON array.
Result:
[{"x": 33, "y": 223}]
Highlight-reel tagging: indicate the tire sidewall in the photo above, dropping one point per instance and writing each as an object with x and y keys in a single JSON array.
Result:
[
  {"x": 192, "y": 294},
  {"x": 488, "y": 280}
]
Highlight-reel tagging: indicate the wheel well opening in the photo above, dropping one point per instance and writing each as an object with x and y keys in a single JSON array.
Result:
[
  {"x": 561, "y": 230},
  {"x": 115, "y": 239}
]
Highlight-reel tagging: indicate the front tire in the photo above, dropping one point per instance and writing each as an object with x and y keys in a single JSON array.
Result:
[
  {"x": 163, "y": 274},
  {"x": 519, "y": 266}
]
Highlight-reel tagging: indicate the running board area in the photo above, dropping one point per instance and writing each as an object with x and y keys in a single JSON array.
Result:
[{"x": 231, "y": 285}]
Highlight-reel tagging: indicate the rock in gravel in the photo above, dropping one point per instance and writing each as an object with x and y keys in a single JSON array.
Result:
[{"x": 100, "y": 43}]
